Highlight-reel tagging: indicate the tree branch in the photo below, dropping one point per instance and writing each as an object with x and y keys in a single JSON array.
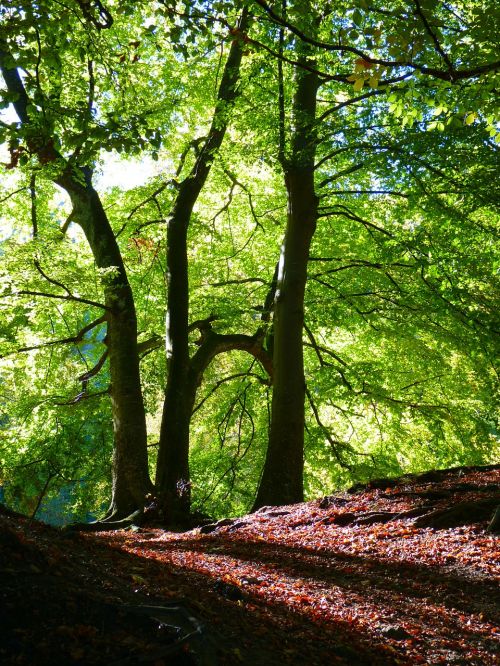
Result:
[
  {"x": 391, "y": 193},
  {"x": 14, "y": 84},
  {"x": 434, "y": 38},
  {"x": 334, "y": 443},
  {"x": 82, "y": 396},
  {"x": 93, "y": 371},
  {"x": 242, "y": 281},
  {"x": 445, "y": 75},
  {"x": 341, "y": 174},
  {"x": 230, "y": 378},
  {"x": 21, "y": 189},
  {"x": 51, "y": 280},
  {"x": 351, "y": 216},
  {"x": 75, "y": 339},
  {"x": 28, "y": 292}
]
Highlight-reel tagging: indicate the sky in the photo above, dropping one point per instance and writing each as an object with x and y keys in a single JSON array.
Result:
[{"x": 113, "y": 171}]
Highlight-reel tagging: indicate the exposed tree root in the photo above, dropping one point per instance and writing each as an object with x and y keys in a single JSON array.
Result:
[
  {"x": 372, "y": 517},
  {"x": 431, "y": 476},
  {"x": 428, "y": 516},
  {"x": 494, "y": 526},
  {"x": 460, "y": 514},
  {"x": 107, "y": 523}
]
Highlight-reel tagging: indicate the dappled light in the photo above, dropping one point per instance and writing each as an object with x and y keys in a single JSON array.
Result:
[
  {"x": 294, "y": 583},
  {"x": 249, "y": 332}
]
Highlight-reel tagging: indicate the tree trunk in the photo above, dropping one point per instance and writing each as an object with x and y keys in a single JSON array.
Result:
[
  {"x": 282, "y": 478},
  {"x": 131, "y": 481},
  {"x": 172, "y": 469}
]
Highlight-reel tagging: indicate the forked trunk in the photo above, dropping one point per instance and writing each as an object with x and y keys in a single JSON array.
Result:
[{"x": 172, "y": 470}]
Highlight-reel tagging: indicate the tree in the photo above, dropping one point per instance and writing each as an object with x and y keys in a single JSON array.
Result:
[
  {"x": 172, "y": 477},
  {"x": 36, "y": 136},
  {"x": 380, "y": 312},
  {"x": 282, "y": 478}
]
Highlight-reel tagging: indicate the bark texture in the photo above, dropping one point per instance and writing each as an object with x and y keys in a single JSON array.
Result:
[
  {"x": 172, "y": 471},
  {"x": 282, "y": 478}
]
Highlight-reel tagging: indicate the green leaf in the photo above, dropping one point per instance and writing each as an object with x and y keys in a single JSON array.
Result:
[
  {"x": 358, "y": 84},
  {"x": 357, "y": 18}
]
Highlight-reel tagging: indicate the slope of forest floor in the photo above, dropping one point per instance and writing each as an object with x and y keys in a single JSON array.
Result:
[{"x": 400, "y": 571}]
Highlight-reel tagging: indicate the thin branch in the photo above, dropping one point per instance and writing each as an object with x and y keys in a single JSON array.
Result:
[
  {"x": 341, "y": 174},
  {"x": 345, "y": 212},
  {"x": 315, "y": 346},
  {"x": 230, "y": 378},
  {"x": 334, "y": 443},
  {"x": 149, "y": 345},
  {"x": 434, "y": 38},
  {"x": 360, "y": 263},
  {"x": 235, "y": 281},
  {"x": 152, "y": 197},
  {"x": 318, "y": 348},
  {"x": 28, "y": 292},
  {"x": 93, "y": 371},
  {"x": 334, "y": 153},
  {"x": 245, "y": 189},
  {"x": 68, "y": 221},
  {"x": 203, "y": 324},
  {"x": 75, "y": 339},
  {"x": 366, "y": 390},
  {"x": 421, "y": 381},
  {"x": 144, "y": 225},
  {"x": 83, "y": 396},
  {"x": 453, "y": 75},
  {"x": 51, "y": 475},
  {"x": 21, "y": 189},
  {"x": 49, "y": 279},
  {"x": 302, "y": 65},
  {"x": 381, "y": 90},
  {"x": 281, "y": 94},
  {"x": 34, "y": 219},
  {"x": 391, "y": 193},
  {"x": 90, "y": 99},
  {"x": 226, "y": 206}
]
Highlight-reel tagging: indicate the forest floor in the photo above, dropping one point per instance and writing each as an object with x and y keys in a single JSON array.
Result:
[{"x": 357, "y": 578}]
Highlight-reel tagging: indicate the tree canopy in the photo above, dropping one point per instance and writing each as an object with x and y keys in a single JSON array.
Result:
[{"x": 249, "y": 250}]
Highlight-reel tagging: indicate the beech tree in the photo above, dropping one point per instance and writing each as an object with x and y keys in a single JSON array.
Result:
[
  {"x": 283, "y": 473},
  {"x": 360, "y": 139},
  {"x": 184, "y": 373},
  {"x": 36, "y": 135}
]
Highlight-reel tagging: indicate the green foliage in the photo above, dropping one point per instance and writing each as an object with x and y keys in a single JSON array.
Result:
[{"x": 402, "y": 301}]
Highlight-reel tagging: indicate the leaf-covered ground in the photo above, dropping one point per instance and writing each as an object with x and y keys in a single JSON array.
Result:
[{"x": 354, "y": 578}]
